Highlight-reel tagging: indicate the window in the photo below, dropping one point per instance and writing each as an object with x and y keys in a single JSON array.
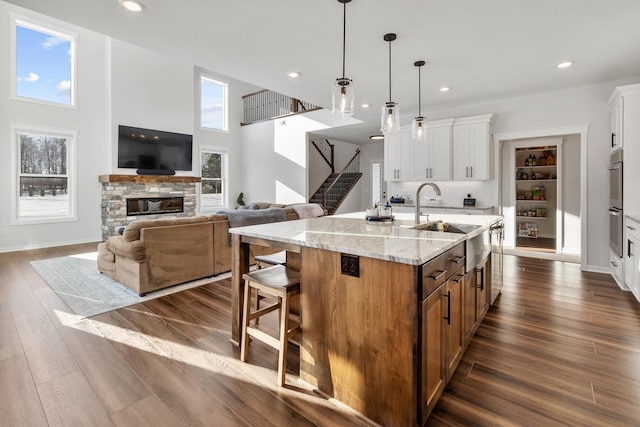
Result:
[
  {"x": 378, "y": 195},
  {"x": 44, "y": 64},
  {"x": 213, "y": 104},
  {"x": 213, "y": 166},
  {"x": 44, "y": 186}
]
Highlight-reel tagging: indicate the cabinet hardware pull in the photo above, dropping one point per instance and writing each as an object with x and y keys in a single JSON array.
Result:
[
  {"x": 467, "y": 172},
  {"x": 459, "y": 278},
  {"x": 481, "y": 285},
  {"x": 471, "y": 169},
  {"x": 614, "y": 264},
  {"x": 629, "y": 243},
  {"x": 631, "y": 228},
  {"x": 439, "y": 275},
  {"x": 430, "y": 173},
  {"x": 457, "y": 259},
  {"x": 448, "y": 316},
  {"x": 613, "y": 135}
]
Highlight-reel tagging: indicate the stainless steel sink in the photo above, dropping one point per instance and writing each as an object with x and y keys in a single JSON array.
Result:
[
  {"x": 445, "y": 227},
  {"x": 474, "y": 251}
]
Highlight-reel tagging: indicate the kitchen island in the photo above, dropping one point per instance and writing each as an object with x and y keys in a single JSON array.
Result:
[{"x": 386, "y": 309}]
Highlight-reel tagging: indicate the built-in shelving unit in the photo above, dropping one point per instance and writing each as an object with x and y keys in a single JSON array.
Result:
[{"x": 536, "y": 191}]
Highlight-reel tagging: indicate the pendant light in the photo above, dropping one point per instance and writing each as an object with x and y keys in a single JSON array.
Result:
[
  {"x": 419, "y": 124},
  {"x": 343, "y": 101},
  {"x": 390, "y": 121}
]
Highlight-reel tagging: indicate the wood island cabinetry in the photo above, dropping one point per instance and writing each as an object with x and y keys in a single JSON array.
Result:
[{"x": 384, "y": 343}]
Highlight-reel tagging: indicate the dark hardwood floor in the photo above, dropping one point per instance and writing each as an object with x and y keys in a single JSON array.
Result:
[{"x": 561, "y": 347}]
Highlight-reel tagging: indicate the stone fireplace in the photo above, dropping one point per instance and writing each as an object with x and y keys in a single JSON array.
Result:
[{"x": 126, "y": 198}]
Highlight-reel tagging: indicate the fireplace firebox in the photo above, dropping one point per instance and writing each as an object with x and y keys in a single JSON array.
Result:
[{"x": 154, "y": 205}]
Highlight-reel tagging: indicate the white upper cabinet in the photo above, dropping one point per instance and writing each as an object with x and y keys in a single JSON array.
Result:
[
  {"x": 397, "y": 156},
  {"x": 432, "y": 158},
  {"x": 472, "y": 148},
  {"x": 616, "y": 124}
]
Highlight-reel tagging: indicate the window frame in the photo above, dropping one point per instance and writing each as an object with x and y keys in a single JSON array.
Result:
[
  {"x": 54, "y": 30},
  {"x": 225, "y": 177},
  {"x": 225, "y": 102},
  {"x": 71, "y": 136}
]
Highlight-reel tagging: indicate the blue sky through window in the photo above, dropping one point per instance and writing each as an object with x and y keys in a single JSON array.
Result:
[
  {"x": 212, "y": 104},
  {"x": 43, "y": 66}
]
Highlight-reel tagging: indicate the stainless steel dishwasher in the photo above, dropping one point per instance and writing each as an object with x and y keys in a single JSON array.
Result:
[{"x": 497, "y": 236}]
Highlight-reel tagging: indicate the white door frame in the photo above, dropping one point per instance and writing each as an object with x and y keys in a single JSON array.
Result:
[{"x": 581, "y": 130}]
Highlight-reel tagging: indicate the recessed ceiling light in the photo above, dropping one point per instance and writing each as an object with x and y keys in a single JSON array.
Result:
[
  {"x": 376, "y": 137},
  {"x": 293, "y": 74},
  {"x": 132, "y": 5},
  {"x": 445, "y": 89},
  {"x": 365, "y": 105},
  {"x": 565, "y": 64}
]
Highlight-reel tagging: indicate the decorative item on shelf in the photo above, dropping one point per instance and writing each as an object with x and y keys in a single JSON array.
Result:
[
  {"x": 419, "y": 123},
  {"x": 390, "y": 120},
  {"x": 542, "y": 193},
  {"x": 520, "y": 174},
  {"x": 527, "y": 195},
  {"x": 542, "y": 161},
  {"x": 343, "y": 89}
]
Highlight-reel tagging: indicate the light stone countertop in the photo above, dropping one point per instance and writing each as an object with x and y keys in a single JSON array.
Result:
[
  {"x": 351, "y": 233},
  {"x": 635, "y": 218}
]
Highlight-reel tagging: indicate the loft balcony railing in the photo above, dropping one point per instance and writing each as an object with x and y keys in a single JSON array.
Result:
[{"x": 268, "y": 105}]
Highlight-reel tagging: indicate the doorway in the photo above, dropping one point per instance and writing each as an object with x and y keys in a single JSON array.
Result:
[{"x": 546, "y": 226}]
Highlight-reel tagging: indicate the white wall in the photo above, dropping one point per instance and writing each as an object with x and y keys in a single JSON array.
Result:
[
  {"x": 275, "y": 159},
  {"x": 90, "y": 119},
  {"x": 150, "y": 91}
]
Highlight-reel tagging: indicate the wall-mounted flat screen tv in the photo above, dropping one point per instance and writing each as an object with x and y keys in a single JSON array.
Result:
[{"x": 153, "y": 150}]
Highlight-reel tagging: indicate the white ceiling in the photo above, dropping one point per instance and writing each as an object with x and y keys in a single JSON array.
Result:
[{"x": 484, "y": 50}]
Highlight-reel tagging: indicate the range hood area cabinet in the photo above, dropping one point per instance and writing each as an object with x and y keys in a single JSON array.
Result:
[
  {"x": 458, "y": 149},
  {"x": 472, "y": 148}
]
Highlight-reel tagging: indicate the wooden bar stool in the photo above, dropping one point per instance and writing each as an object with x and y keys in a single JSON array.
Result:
[
  {"x": 282, "y": 283},
  {"x": 278, "y": 258},
  {"x": 262, "y": 261}
]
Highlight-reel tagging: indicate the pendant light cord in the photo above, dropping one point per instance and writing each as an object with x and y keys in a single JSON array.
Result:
[
  {"x": 419, "y": 93},
  {"x": 390, "y": 71},
  {"x": 344, "y": 35}
]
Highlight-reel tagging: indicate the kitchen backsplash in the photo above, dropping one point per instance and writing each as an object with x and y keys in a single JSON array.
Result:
[{"x": 453, "y": 192}]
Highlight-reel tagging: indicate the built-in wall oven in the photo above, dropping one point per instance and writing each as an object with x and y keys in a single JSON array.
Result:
[{"x": 616, "y": 221}]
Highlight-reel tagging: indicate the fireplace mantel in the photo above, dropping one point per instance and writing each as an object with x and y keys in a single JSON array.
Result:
[{"x": 149, "y": 178}]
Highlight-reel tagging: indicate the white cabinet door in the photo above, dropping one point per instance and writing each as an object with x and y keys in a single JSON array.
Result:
[
  {"x": 440, "y": 153},
  {"x": 397, "y": 156},
  {"x": 616, "y": 125},
  {"x": 472, "y": 149},
  {"x": 632, "y": 257},
  {"x": 461, "y": 152},
  {"x": 422, "y": 159}
]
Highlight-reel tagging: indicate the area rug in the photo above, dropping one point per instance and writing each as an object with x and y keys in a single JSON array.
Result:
[{"x": 87, "y": 292}]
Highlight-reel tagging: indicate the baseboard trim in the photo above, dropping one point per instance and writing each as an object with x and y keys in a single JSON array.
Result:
[{"x": 48, "y": 245}]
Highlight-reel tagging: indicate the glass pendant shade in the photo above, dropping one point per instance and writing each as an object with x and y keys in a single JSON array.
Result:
[
  {"x": 344, "y": 98},
  {"x": 419, "y": 123},
  {"x": 390, "y": 117},
  {"x": 419, "y": 129}
]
